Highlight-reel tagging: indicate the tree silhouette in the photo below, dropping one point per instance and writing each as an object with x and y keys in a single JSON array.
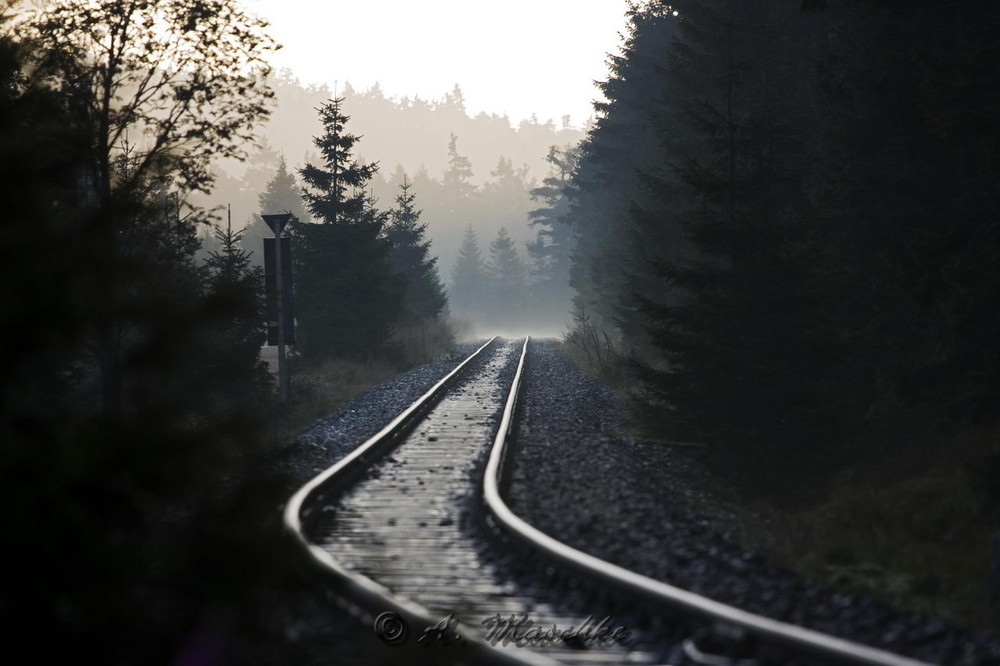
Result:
[
  {"x": 458, "y": 176},
  {"x": 281, "y": 195},
  {"x": 551, "y": 251},
  {"x": 468, "y": 278},
  {"x": 235, "y": 292},
  {"x": 347, "y": 296},
  {"x": 336, "y": 191},
  {"x": 507, "y": 278},
  {"x": 140, "y": 485},
  {"x": 147, "y": 121},
  {"x": 411, "y": 258}
]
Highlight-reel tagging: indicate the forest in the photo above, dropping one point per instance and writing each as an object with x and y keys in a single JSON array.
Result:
[
  {"x": 779, "y": 239},
  {"x": 787, "y": 242},
  {"x": 480, "y": 171},
  {"x": 138, "y": 410}
]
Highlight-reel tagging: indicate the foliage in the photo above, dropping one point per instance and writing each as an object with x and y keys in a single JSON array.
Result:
[
  {"x": 786, "y": 220},
  {"x": 468, "y": 277},
  {"x": 593, "y": 349},
  {"x": 458, "y": 176},
  {"x": 552, "y": 249},
  {"x": 411, "y": 258},
  {"x": 159, "y": 90},
  {"x": 235, "y": 291},
  {"x": 621, "y": 141},
  {"x": 188, "y": 76},
  {"x": 326, "y": 191},
  {"x": 507, "y": 275},
  {"x": 281, "y": 195},
  {"x": 914, "y": 539},
  {"x": 348, "y": 298},
  {"x": 139, "y": 487},
  {"x": 732, "y": 305}
]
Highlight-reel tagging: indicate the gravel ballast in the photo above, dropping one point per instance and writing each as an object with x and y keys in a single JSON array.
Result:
[{"x": 579, "y": 477}]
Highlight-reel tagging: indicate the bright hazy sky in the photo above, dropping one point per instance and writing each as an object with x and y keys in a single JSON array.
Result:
[{"x": 513, "y": 57}]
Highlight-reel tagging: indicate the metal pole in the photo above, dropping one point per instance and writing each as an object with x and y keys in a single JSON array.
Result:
[{"x": 282, "y": 365}]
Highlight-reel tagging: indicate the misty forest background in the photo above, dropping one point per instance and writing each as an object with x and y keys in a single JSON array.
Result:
[{"x": 779, "y": 239}]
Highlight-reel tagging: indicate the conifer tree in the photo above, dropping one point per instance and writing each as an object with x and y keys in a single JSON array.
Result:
[
  {"x": 411, "y": 257},
  {"x": 235, "y": 296},
  {"x": 282, "y": 195},
  {"x": 507, "y": 278},
  {"x": 751, "y": 368},
  {"x": 347, "y": 296},
  {"x": 551, "y": 251},
  {"x": 685, "y": 249},
  {"x": 372, "y": 215},
  {"x": 335, "y": 191},
  {"x": 621, "y": 142},
  {"x": 468, "y": 278},
  {"x": 458, "y": 176}
]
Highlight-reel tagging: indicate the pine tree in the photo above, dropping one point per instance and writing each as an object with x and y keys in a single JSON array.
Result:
[
  {"x": 411, "y": 257},
  {"x": 347, "y": 297},
  {"x": 468, "y": 278}
]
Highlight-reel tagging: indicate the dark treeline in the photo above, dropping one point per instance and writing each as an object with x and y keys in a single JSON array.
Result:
[
  {"x": 788, "y": 221},
  {"x": 787, "y": 218},
  {"x": 133, "y": 394}
]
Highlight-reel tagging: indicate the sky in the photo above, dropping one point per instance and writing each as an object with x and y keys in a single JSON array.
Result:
[{"x": 513, "y": 57}]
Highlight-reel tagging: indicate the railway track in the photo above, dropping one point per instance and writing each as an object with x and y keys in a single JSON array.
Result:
[{"x": 412, "y": 532}]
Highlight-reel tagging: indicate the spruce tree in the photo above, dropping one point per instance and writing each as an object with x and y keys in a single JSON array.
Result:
[
  {"x": 458, "y": 176},
  {"x": 335, "y": 191},
  {"x": 468, "y": 278},
  {"x": 507, "y": 279},
  {"x": 347, "y": 296},
  {"x": 235, "y": 291},
  {"x": 621, "y": 142},
  {"x": 906, "y": 197},
  {"x": 718, "y": 297},
  {"x": 411, "y": 258},
  {"x": 282, "y": 195},
  {"x": 551, "y": 251}
]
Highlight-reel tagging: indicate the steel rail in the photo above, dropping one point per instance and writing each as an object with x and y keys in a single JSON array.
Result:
[
  {"x": 364, "y": 593},
  {"x": 789, "y": 636}
]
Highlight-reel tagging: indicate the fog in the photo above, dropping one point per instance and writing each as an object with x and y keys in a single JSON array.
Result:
[
  {"x": 427, "y": 142},
  {"x": 780, "y": 236}
]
